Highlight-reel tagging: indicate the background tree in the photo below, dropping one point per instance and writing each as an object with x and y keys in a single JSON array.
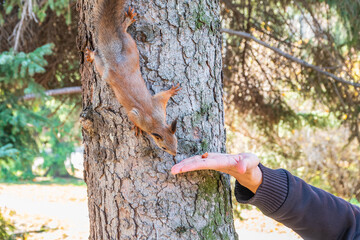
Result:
[
  {"x": 30, "y": 65},
  {"x": 272, "y": 101},
  {"x": 132, "y": 194}
]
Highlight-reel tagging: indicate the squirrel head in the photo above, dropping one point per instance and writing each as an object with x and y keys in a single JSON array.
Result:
[
  {"x": 164, "y": 137},
  {"x": 162, "y": 133}
]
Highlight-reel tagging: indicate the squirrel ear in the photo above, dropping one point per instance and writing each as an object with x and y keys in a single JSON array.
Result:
[
  {"x": 173, "y": 126},
  {"x": 135, "y": 112},
  {"x": 135, "y": 116}
]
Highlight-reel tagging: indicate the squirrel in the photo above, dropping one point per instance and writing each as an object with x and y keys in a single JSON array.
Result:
[{"x": 117, "y": 61}]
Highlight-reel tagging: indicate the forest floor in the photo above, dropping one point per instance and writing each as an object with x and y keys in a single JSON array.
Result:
[{"x": 58, "y": 210}]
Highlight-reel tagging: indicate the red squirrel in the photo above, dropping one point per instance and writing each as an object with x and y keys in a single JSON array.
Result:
[{"x": 117, "y": 61}]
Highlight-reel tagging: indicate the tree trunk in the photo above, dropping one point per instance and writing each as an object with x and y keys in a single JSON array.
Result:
[
  {"x": 132, "y": 194},
  {"x": 58, "y": 169}
]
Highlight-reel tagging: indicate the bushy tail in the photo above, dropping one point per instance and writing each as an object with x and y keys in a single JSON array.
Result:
[{"x": 109, "y": 19}]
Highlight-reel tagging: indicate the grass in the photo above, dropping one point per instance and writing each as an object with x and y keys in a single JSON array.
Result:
[{"x": 48, "y": 181}]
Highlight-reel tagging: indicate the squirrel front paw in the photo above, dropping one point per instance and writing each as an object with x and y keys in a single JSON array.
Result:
[
  {"x": 89, "y": 55},
  {"x": 138, "y": 130}
]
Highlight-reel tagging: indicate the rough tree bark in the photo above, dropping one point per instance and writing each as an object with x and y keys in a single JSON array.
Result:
[{"x": 131, "y": 192}]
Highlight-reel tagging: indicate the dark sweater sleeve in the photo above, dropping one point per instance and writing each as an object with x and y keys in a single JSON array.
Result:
[{"x": 309, "y": 211}]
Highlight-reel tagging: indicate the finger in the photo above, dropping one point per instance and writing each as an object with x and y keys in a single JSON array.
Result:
[
  {"x": 199, "y": 157},
  {"x": 179, "y": 165},
  {"x": 198, "y": 163},
  {"x": 210, "y": 155}
]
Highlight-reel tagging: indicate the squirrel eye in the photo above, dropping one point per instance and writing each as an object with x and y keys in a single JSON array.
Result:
[
  {"x": 164, "y": 148},
  {"x": 157, "y": 136}
]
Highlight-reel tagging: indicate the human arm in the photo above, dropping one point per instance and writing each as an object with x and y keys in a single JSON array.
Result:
[{"x": 309, "y": 211}]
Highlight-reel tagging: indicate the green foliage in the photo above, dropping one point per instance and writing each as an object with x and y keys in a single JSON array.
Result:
[
  {"x": 45, "y": 59},
  {"x": 28, "y": 129},
  {"x": 8, "y": 152},
  {"x": 349, "y": 11},
  {"x": 20, "y": 121},
  {"x": 5, "y": 228},
  {"x": 60, "y": 138},
  {"x": 14, "y": 66},
  {"x": 60, "y": 7}
]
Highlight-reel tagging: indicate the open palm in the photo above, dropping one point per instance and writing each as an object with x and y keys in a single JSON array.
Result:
[{"x": 243, "y": 166}]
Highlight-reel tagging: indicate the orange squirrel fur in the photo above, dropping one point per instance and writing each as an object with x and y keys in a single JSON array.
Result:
[{"x": 117, "y": 61}]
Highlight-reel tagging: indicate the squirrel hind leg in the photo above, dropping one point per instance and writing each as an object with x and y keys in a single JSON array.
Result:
[
  {"x": 175, "y": 89},
  {"x": 129, "y": 18},
  {"x": 93, "y": 56},
  {"x": 90, "y": 55}
]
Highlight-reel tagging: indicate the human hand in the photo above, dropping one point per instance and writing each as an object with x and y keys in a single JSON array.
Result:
[{"x": 243, "y": 166}]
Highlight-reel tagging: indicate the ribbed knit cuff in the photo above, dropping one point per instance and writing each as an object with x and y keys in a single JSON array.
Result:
[{"x": 270, "y": 195}]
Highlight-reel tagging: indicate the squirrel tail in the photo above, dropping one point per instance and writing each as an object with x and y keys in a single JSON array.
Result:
[{"x": 108, "y": 23}]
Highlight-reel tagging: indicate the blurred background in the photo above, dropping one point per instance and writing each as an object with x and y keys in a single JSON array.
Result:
[{"x": 291, "y": 116}]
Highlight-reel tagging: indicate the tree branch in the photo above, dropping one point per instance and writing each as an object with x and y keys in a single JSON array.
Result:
[
  {"x": 290, "y": 57},
  {"x": 27, "y": 12},
  {"x": 54, "y": 92}
]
